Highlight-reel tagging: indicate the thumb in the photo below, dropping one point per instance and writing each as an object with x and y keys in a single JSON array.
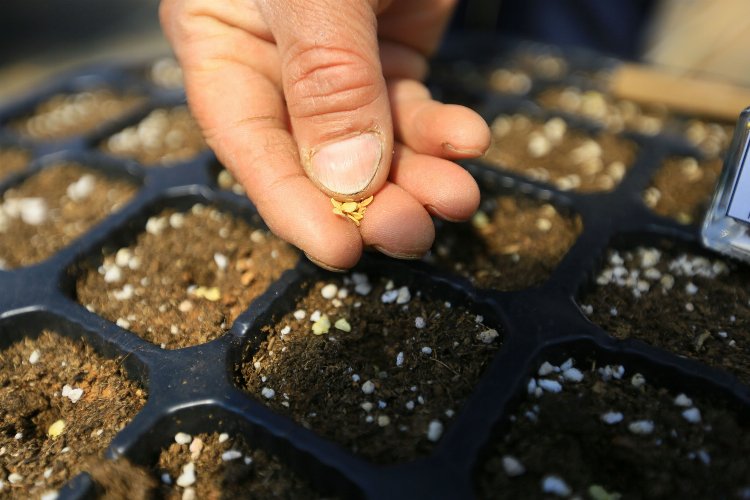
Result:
[{"x": 335, "y": 92}]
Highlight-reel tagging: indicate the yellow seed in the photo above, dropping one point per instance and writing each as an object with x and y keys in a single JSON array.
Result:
[
  {"x": 349, "y": 206},
  {"x": 213, "y": 294},
  {"x": 343, "y": 325},
  {"x": 352, "y": 210},
  {"x": 480, "y": 220},
  {"x": 322, "y": 325},
  {"x": 56, "y": 428}
]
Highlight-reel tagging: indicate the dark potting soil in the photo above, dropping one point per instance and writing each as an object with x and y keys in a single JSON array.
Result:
[
  {"x": 60, "y": 405},
  {"x": 386, "y": 373},
  {"x": 511, "y": 243},
  {"x": 226, "y": 467},
  {"x": 614, "y": 114},
  {"x": 687, "y": 304},
  {"x": 682, "y": 188},
  {"x": 164, "y": 137},
  {"x": 66, "y": 115},
  {"x": 12, "y": 160},
  {"x": 187, "y": 276},
  {"x": 554, "y": 153},
  {"x": 120, "y": 480},
  {"x": 53, "y": 207},
  {"x": 614, "y": 434}
]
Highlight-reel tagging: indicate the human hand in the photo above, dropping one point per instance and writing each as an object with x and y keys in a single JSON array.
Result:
[{"x": 303, "y": 100}]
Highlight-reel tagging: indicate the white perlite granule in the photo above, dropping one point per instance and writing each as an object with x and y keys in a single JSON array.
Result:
[
  {"x": 230, "y": 455},
  {"x": 187, "y": 478},
  {"x": 73, "y": 394},
  {"x": 435, "y": 430},
  {"x": 182, "y": 438},
  {"x": 556, "y": 486},
  {"x": 612, "y": 417},
  {"x": 512, "y": 466},
  {"x": 641, "y": 427},
  {"x": 368, "y": 387},
  {"x": 267, "y": 393}
]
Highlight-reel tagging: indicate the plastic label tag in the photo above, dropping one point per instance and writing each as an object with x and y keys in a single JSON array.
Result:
[{"x": 739, "y": 203}]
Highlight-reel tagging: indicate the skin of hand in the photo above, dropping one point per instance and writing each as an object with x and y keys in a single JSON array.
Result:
[{"x": 303, "y": 100}]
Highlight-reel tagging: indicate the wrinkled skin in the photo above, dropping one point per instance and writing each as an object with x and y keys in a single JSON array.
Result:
[{"x": 269, "y": 81}]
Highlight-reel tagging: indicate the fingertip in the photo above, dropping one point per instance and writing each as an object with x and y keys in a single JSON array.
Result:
[
  {"x": 444, "y": 188},
  {"x": 460, "y": 204},
  {"x": 466, "y": 134},
  {"x": 397, "y": 225},
  {"x": 299, "y": 213}
]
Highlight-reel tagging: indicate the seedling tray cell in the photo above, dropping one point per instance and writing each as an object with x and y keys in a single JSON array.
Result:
[{"x": 201, "y": 388}]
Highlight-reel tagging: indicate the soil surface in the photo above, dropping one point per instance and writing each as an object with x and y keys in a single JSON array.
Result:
[
  {"x": 682, "y": 188},
  {"x": 511, "y": 243},
  {"x": 187, "y": 277},
  {"x": 509, "y": 81},
  {"x": 166, "y": 73},
  {"x": 552, "y": 152},
  {"x": 712, "y": 138},
  {"x": 687, "y": 304},
  {"x": 164, "y": 137},
  {"x": 226, "y": 467},
  {"x": 60, "y": 403},
  {"x": 614, "y": 433},
  {"x": 54, "y": 207},
  {"x": 615, "y": 114},
  {"x": 226, "y": 180},
  {"x": 65, "y": 115},
  {"x": 12, "y": 160},
  {"x": 387, "y": 372}
]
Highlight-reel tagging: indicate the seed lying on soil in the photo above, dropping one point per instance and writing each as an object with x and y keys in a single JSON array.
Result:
[
  {"x": 179, "y": 294},
  {"x": 369, "y": 386},
  {"x": 48, "y": 436}
]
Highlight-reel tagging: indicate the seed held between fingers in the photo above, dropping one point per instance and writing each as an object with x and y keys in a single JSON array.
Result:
[{"x": 352, "y": 210}]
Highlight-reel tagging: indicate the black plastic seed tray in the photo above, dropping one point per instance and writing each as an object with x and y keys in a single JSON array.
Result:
[{"x": 194, "y": 390}]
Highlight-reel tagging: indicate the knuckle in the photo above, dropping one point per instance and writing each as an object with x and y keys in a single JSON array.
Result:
[{"x": 325, "y": 80}]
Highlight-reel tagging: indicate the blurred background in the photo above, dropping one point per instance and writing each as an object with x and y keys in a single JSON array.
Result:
[{"x": 40, "y": 38}]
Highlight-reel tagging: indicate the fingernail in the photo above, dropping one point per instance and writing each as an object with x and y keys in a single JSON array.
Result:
[
  {"x": 348, "y": 166},
  {"x": 434, "y": 211},
  {"x": 397, "y": 255},
  {"x": 462, "y": 151},
  {"x": 323, "y": 265}
]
